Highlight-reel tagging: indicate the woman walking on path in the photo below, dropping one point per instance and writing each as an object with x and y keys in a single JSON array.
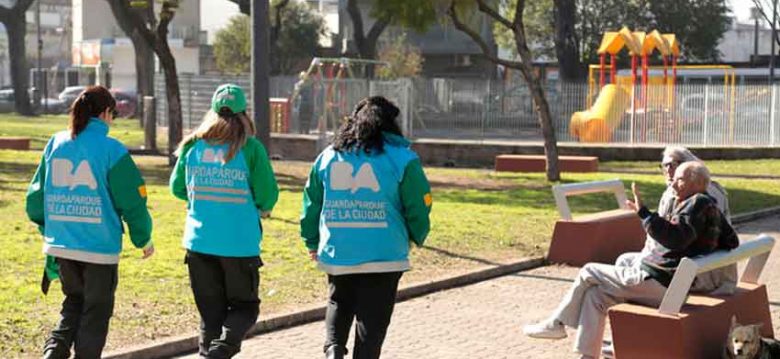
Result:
[
  {"x": 225, "y": 176},
  {"x": 85, "y": 182},
  {"x": 366, "y": 198}
]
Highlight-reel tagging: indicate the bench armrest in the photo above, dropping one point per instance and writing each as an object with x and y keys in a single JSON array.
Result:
[
  {"x": 562, "y": 190},
  {"x": 757, "y": 250}
]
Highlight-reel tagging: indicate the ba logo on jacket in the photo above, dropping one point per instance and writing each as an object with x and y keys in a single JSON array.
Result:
[
  {"x": 211, "y": 156},
  {"x": 63, "y": 175},
  {"x": 341, "y": 177}
]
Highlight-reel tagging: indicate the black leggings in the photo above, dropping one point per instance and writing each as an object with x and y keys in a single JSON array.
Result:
[
  {"x": 370, "y": 298},
  {"x": 86, "y": 310},
  {"x": 226, "y": 294}
]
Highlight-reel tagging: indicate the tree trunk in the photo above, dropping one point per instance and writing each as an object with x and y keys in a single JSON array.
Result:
[
  {"x": 144, "y": 70},
  {"x": 566, "y": 43},
  {"x": 542, "y": 107},
  {"x": 20, "y": 73},
  {"x": 172, "y": 94}
]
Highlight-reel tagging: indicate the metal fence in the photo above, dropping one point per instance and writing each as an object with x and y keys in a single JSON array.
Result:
[{"x": 476, "y": 109}]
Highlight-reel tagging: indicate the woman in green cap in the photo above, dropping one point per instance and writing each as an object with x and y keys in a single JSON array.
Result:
[{"x": 225, "y": 176}]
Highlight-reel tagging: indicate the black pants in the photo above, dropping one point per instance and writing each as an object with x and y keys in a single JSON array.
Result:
[
  {"x": 370, "y": 298},
  {"x": 226, "y": 293},
  {"x": 86, "y": 310}
]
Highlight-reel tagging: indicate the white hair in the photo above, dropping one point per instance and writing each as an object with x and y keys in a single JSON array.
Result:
[
  {"x": 680, "y": 154},
  {"x": 696, "y": 172}
]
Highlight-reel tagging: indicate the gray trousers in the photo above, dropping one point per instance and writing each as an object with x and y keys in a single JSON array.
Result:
[
  {"x": 601, "y": 286},
  {"x": 597, "y": 288}
]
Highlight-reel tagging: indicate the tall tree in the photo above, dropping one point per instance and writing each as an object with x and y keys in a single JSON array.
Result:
[
  {"x": 567, "y": 48},
  {"x": 157, "y": 39},
  {"x": 412, "y": 14},
  {"x": 515, "y": 24},
  {"x": 297, "y": 40},
  {"x": 144, "y": 54},
  {"x": 15, "y": 23},
  {"x": 277, "y": 7}
]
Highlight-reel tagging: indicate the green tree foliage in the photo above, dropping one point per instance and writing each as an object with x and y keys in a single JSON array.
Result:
[
  {"x": 699, "y": 24},
  {"x": 233, "y": 46},
  {"x": 297, "y": 40},
  {"x": 404, "y": 60},
  {"x": 538, "y": 28}
]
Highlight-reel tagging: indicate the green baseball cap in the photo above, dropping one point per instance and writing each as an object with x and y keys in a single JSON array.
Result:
[{"x": 230, "y": 96}]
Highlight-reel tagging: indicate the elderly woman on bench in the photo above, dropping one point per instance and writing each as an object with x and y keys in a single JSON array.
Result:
[{"x": 694, "y": 227}]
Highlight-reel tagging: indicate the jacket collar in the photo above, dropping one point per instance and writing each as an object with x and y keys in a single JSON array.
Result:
[
  {"x": 396, "y": 140},
  {"x": 97, "y": 125}
]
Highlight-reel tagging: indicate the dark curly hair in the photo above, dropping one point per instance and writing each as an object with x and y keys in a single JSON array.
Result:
[{"x": 363, "y": 129}]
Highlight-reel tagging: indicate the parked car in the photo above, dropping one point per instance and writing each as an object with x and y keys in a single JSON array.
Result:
[
  {"x": 70, "y": 93},
  {"x": 53, "y": 105},
  {"x": 126, "y": 102}
]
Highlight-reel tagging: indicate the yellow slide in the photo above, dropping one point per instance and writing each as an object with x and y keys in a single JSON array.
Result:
[{"x": 598, "y": 123}]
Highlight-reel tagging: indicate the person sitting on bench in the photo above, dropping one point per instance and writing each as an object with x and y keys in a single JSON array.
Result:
[
  {"x": 694, "y": 227},
  {"x": 672, "y": 157}
]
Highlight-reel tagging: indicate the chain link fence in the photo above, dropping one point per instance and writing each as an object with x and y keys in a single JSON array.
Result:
[{"x": 484, "y": 109}]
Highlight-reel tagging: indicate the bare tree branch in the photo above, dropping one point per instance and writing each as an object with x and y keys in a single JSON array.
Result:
[
  {"x": 478, "y": 39},
  {"x": 20, "y": 6},
  {"x": 493, "y": 13}
]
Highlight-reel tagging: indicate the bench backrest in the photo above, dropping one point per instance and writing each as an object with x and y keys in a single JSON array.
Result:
[
  {"x": 561, "y": 191},
  {"x": 757, "y": 250}
]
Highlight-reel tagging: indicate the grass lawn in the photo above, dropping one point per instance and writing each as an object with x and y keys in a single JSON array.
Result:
[
  {"x": 478, "y": 217},
  {"x": 758, "y": 167},
  {"x": 39, "y": 129}
]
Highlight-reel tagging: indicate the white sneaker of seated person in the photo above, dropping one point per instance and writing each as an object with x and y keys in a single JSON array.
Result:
[{"x": 546, "y": 329}]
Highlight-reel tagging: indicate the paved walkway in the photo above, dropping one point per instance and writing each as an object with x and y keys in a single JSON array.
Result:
[{"x": 481, "y": 320}]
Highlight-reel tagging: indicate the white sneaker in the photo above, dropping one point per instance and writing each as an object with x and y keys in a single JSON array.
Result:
[{"x": 548, "y": 329}]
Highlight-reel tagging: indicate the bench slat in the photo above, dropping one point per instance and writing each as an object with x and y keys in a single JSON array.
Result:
[{"x": 757, "y": 250}]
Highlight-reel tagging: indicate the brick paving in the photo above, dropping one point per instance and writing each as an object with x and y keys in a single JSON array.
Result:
[{"x": 483, "y": 320}]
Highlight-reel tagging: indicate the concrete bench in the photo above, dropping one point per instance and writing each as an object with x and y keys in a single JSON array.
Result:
[
  {"x": 537, "y": 163},
  {"x": 14, "y": 143},
  {"x": 599, "y": 237},
  {"x": 696, "y": 327}
]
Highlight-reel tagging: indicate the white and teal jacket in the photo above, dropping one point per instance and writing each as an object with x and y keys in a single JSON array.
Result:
[
  {"x": 360, "y": 210},
  {"x": 81, "y": 190},
  {"x": 224, "y": 199}
]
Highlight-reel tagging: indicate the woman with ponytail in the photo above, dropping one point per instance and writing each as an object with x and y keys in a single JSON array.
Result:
[
  {"x": 85, "y": 185},
  {"x": 367, "y": 199},
  {"x": 225, "y": 176}
]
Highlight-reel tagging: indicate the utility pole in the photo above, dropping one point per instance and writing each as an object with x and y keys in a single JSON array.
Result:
[
  {"x": 772, "y": 55},
  {"x": 755, "y": 15},
  {"x": 261, "y": 113},
  {"x": 40, "y": 83}
]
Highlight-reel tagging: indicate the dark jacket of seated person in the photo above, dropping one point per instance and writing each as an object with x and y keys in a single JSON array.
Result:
[{"x": 695, "y": 227}]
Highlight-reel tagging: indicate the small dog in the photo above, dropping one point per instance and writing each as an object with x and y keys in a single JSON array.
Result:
[{"x": 745, "y": 342}]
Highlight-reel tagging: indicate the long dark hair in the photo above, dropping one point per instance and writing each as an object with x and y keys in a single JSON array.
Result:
[
  {"x": 93, "y": 101},
  {"x": 363, "y": 128}
]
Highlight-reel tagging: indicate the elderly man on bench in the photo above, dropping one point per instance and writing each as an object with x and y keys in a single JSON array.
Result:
[
  {"x": 694, "y": 227},
  {"x": 672, "y": 157}
]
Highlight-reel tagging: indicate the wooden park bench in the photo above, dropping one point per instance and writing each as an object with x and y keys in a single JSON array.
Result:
[
  {"x": 695, "y": 326},
  {"x": 538, "y": 163},
  {"x": 598, "y": 237},
  {"x": 14, "y": 143}
]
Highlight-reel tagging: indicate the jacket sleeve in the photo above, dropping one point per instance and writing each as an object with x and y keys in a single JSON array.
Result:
[
  {"x": 312, "y": 207},
  {"x": 178, "y": 180},
  {"x": 676, "y": 233},
  {"x": 128, "y": 191},
  {"x": 262, "y": 181},
  {"x": 416, "y": 199},
  {"x": 35, "y": 196}
]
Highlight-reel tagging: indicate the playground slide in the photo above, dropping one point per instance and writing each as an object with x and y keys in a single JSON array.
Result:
[{"x": 597, "y": 123}]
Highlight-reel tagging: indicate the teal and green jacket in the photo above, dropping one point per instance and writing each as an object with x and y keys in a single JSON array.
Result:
[
  {"x": 360, "y": 211},
  {"x": 225, "y": 199},
  {"x": 84, "y": 187}
]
